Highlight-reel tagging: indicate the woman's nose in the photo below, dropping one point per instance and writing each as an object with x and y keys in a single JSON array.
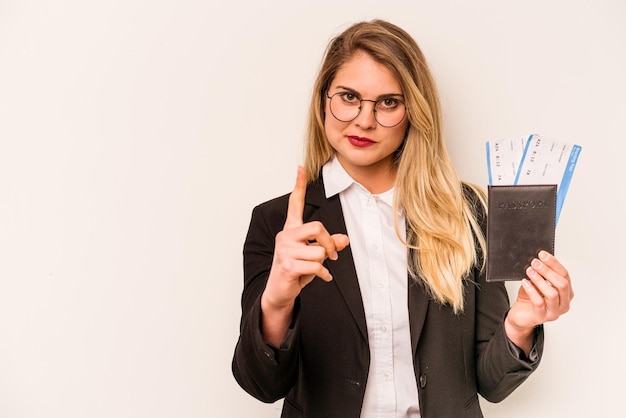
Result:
[{"x": 366, "y": 118}]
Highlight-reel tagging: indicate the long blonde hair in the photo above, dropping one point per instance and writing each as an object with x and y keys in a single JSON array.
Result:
[{"x": 443, "y": 234}]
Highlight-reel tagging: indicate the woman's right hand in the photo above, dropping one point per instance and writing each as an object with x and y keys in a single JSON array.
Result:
[{"x": 299, "y": 252}]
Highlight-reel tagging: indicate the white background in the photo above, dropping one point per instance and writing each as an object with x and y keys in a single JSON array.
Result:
[{"x": 136, "y": 136}]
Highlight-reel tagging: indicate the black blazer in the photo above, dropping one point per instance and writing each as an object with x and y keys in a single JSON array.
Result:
[{"x": 321, "y": 367}]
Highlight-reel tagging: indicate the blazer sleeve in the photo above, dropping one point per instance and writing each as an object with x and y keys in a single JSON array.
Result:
[
  {"x": 500, "y": 366},
  {"x": 264, "y": 371}
]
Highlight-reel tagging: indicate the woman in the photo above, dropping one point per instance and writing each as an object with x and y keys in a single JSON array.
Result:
[{"x": 338, "y": 330}]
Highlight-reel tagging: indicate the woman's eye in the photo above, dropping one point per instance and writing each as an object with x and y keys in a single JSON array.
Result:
[
  {"x": 389, "y": 103},
  {"x": 349, "y": 97}
]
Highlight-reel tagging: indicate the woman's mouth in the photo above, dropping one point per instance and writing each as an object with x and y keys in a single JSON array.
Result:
[{"x": 358, "y": 141}]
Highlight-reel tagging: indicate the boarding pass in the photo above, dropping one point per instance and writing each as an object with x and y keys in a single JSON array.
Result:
[{"x": 533, "y": 159}]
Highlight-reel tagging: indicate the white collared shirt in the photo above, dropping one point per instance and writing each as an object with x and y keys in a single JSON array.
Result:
[{"x": 380, "y": 259}]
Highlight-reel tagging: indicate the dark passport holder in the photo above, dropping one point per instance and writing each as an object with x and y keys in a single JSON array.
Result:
[{"x": 521, "y": 221}]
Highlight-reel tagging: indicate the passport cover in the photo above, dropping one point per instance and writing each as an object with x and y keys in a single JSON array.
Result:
[{"x": 521, "y": 221}]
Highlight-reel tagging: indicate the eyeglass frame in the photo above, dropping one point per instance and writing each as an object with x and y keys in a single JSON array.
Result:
[{"x": 328, "y": 96}]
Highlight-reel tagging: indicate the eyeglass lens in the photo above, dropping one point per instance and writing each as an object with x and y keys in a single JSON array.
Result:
[{"x": 388, "y": 111}]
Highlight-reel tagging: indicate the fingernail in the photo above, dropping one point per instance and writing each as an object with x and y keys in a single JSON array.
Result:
[
  {"x": 543, "y": 255},
  {"x": 526, "y": 283},
  {"x": 535, "y": 263},
  {"x": 334, "y": 256}
]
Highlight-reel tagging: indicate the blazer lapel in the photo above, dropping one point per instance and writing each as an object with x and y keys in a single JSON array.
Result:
[
  {"x": 330, "y": 214},
  {"x": 418, "y": 308}
]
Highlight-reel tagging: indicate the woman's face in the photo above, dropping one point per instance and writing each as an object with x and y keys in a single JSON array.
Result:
[{"x": 363, "y": 146}]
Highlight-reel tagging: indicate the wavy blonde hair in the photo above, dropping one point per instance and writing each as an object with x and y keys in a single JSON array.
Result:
[{"x": 443, "y": 234}]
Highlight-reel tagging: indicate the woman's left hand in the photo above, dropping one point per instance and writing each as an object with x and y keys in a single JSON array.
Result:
[{"x": 543, "y": 297}]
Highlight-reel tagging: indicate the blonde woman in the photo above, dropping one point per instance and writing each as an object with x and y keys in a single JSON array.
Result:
[{"x": 364, "y": 291}]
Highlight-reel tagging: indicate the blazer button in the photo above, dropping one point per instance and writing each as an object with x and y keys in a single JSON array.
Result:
[{"x": 423, "y": 380}]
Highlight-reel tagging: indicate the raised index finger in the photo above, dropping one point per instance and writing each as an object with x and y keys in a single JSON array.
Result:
[{"x": 295, "y": 210}]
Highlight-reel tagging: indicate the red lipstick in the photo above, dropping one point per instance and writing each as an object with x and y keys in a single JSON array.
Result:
[{"x": 358, "y": 141}]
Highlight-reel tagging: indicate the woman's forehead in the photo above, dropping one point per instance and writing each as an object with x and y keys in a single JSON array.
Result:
[{"x": 365, "y": 75}]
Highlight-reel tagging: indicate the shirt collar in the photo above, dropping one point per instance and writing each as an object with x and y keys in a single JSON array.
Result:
[
  {"x": 387, "y": 197},
  {"x": 337, "y": 179}
]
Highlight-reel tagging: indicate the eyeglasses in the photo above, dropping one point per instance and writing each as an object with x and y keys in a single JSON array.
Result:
[{"x": 346, "y": 106}]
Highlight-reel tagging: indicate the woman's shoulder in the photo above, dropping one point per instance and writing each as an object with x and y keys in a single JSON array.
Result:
[
  {"x": 279, "y": 204},
  {"x": 274, "y": 203},
  {"x": 268, "y": 218},
  {"x": 273, "y": 210}
]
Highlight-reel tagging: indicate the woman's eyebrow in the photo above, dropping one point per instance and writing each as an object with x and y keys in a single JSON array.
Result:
[
  {"x": 348, "y": 89},
  {"x": 380, "y": 96}
]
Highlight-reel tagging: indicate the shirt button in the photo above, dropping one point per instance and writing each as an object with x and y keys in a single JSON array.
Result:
[
  {"x": 422, "y": 380},
  {"x": 374, "y": 246},
  {"x": 383, "y": 329},
  {"x": 380, "y": 285}
]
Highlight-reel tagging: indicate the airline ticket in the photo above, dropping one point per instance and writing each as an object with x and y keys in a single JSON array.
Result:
[{"x": 534, "y": 159}]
